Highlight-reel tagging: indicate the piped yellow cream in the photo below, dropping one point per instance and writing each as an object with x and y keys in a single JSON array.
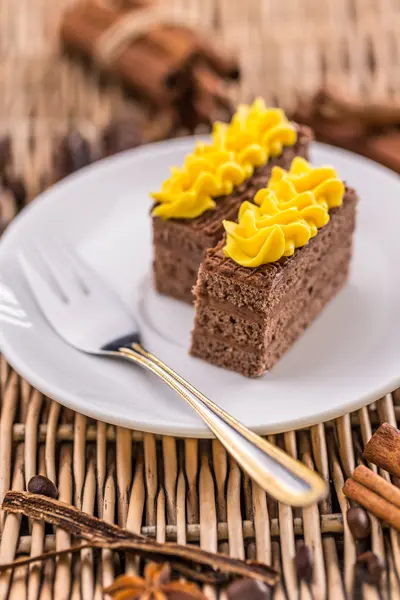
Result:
[
  {"x": 285, "y": 215},
  {"x": 255, "y": 134}
]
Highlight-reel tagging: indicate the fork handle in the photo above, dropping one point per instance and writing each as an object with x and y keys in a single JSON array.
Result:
[{"x": 283, "y": 477}]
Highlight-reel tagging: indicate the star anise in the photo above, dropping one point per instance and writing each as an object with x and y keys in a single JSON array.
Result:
[{"x": 155, "y": 585}]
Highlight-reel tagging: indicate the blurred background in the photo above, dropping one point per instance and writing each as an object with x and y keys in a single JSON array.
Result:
[{"x": 71, "y": 75}]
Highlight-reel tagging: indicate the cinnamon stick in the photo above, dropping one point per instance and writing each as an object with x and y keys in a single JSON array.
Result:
[
  {"x": 155, "y": 63},
  {"x": 377, "y": 484},
  {"x": 374, "y": 493},
  {"x": 383, "y": 449},
  {"x": 177, "y": 42},
  {"x": 143, "y": 66},
  {"x": 373, "y": 502},
  {"x": 189, "y": 561},
  {"x": 207, "y": 85},
  {"x": 129, "y": 4},
  {"x": 223, "y": 64},
  {"x": 366, "y": 135},
  {"x": 185, "y": 39},
  {"x": 332, "y": 105}
]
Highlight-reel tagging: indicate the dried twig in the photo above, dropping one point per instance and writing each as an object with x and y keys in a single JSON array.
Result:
[{"x": 189, "y": 561}]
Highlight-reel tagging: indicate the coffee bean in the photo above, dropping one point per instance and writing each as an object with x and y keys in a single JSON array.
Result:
[
  {"x": 39, "y": 484},
  {"x": 370, "y": 567},
  {"x": 304, "y": 563},
  {"x": 5, "y": 152},
  {"x": 248, "y": 589},
  {"x": 121, "y": 135},
  {"x": 358, "y": 522},
  {"x": 73, "y": 153}
]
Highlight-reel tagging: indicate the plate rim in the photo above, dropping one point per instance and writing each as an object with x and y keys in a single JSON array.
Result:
[{"x": 70, "y": 400}]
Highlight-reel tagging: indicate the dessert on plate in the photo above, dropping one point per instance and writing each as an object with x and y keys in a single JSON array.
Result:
[
  {"x": 211, "y": 185},
  {"x": 283, "y": 259}
]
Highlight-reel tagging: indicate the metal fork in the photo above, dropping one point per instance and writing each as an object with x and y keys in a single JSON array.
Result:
[{"x": 91, "y": 317}]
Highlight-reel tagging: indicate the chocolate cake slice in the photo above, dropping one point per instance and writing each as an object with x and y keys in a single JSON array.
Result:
[
  {"x": 180, "y": 244},
  {"x": 247, "y": 318}
]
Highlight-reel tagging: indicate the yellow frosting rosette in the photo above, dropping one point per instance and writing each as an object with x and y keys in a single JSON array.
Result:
[
  {"x": 255, "y": 134},
  {"x": 285, "y": 215},
  {"x": 322, "y": 181}
]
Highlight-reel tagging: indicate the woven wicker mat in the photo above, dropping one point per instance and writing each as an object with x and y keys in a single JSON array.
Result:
[{"x": 184, "y": 490}]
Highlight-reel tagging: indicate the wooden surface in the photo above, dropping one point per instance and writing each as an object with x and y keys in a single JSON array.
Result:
[{"x": 184, "y": 490}]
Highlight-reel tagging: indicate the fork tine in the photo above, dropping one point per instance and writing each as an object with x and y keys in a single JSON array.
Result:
[
  {"x": 53, "y": 273},
  {"x": 41, "y": 289},
  {"x": 96, "y": 288},
  {"x": 88, "y": 278},
  {"x": 61, "y": 270},
  {"x": 78, "y": 321},
  {"x": 70, "y": 260}
]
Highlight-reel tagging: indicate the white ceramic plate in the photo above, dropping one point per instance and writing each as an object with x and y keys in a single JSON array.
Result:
[{"x": 349, "y": 357}]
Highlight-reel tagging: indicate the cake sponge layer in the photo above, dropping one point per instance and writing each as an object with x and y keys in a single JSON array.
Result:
[
  {"x": 246, "y": 319},
  {"x": 253, "y": 363},
  {"x": 226, "y": 322}
]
